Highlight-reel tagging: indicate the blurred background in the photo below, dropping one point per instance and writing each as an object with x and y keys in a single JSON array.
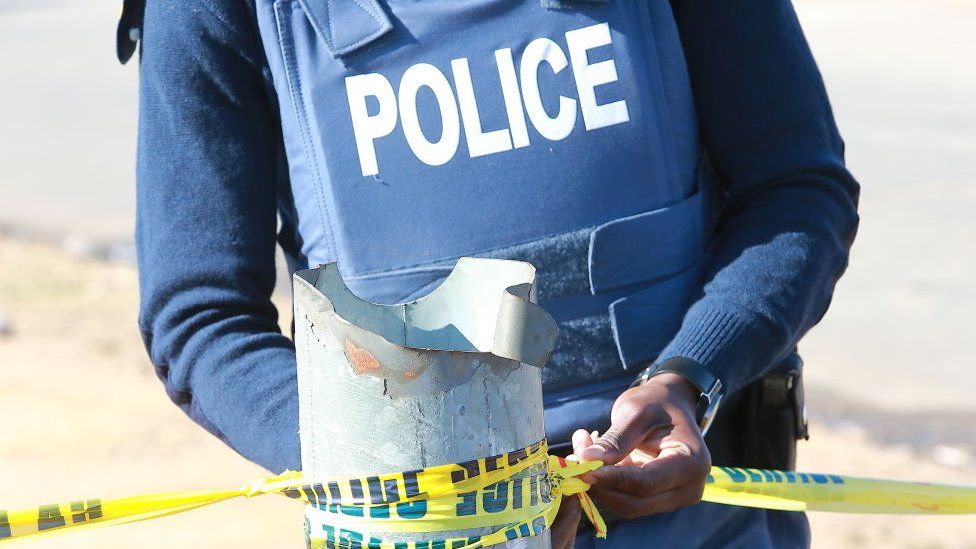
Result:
[{"x": 890, "y": 371}]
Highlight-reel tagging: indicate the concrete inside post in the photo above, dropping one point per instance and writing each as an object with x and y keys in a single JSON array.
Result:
[{"x": 396, "y": 388}]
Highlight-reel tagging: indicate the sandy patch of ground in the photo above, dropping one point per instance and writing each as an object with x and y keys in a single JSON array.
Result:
[{"x": 84, "y": 416}]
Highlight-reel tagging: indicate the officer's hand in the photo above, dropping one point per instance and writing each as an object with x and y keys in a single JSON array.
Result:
[
  {"x": 660, "y": 457},
  {"x": 563, "y": 529}
]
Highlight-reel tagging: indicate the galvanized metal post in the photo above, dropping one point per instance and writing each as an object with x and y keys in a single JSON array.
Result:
[{"x": 451, "y": 377}]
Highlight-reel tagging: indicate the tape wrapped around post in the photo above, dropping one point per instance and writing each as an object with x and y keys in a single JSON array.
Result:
[
  {"x": 445, "y": 489},
  {"x": 448, "y": 378}
]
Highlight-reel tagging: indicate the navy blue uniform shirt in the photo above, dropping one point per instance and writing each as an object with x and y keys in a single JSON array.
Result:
[{"x": 211, "y": 172}]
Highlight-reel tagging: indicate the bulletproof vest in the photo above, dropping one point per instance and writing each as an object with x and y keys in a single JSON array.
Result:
[{"x": 551, "y": 131}]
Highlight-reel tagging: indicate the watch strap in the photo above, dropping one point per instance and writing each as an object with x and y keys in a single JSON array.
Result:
[
  {"x": 708, "y": 386},
  {"x": 695, "y": 373}
]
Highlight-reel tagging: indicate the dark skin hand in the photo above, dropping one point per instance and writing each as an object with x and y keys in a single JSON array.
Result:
[{"x": 659, "y": 457}]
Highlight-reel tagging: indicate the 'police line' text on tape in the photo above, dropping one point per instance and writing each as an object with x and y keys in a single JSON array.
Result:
[{"x": 514, "y": 495}]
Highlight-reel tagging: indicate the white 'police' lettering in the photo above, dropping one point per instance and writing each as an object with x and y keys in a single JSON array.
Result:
[
  {"x": 521, "y": 94},
  {"x": 441, "y": 151},
  {"x": 479, "y": 142},
  {"x": 366, "y": 127},
  {"x": 560, "y": 126},
  {"x": 588, "y": 77},
  {"x": 512, "y": 97}
]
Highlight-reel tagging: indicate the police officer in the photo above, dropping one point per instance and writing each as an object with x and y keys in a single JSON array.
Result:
[{"x": 671, "y": 168}]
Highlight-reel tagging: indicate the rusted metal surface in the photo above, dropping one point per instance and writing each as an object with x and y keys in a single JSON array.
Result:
[
  {"x": 361, "y": 360},
  {"x": 447, "y": 378}
]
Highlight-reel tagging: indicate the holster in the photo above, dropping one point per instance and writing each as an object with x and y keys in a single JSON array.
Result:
[{"x": 759, "y": 425}]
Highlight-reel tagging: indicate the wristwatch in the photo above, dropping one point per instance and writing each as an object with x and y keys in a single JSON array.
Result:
[{"x": 708, "y": 386}]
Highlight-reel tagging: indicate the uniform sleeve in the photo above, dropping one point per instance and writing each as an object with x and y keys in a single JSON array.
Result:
[
  {"x": 790, "y": 210},
  {"x": 206, "y": 227}
]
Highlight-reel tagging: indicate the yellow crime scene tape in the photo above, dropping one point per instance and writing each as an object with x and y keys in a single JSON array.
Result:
[{"x": 513, "y": 495}]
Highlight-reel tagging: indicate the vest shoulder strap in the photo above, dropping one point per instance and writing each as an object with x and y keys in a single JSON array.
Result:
[{"x": 348, "y": 25}]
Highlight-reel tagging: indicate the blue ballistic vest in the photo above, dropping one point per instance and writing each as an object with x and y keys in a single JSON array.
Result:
[{"x": 552, "y": 131}]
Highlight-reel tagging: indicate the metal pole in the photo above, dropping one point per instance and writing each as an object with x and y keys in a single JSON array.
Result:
[{"x": 444, "y": 379}]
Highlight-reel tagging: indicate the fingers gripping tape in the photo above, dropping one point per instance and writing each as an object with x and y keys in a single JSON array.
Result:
[{"x": 513, "y": 495}]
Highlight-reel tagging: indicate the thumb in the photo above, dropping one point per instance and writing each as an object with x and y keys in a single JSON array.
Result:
[{"x": 616, "y": 444}]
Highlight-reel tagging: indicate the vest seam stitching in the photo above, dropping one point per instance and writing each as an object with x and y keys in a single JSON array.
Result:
[
  {"x": 664, "y": 128},
  {"x": 369, "y": 36},
  {"x": 481, "y": 251},
  {"x": 327, "y": 29},
  {"x": 368, "y": 11},
  {"x": 318, "y": 25},
  {"x": 364, "y": 40},
  {"x": 294, "y": 85},
  {"x": 328, "y": 17},
  {"x": 590, "y": 228}
]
